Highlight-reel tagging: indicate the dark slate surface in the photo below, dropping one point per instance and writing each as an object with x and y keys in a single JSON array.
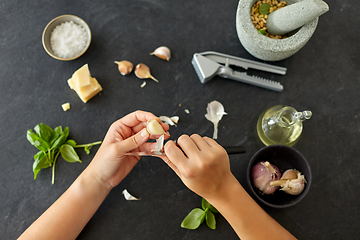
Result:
[{"x": 322, "y": 77}]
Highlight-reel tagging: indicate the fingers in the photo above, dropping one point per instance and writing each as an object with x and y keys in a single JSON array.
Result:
[
  {"x": 133, "y": 141},
  {"x": 175, "y": 158}
]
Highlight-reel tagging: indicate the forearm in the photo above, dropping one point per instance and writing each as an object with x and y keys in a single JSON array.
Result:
[
  {"x": 70, "y": 213},
  {"x": 246, "y": 217}
]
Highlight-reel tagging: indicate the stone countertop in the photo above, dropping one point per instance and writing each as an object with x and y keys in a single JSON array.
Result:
[{"x": 322, "y": 77}]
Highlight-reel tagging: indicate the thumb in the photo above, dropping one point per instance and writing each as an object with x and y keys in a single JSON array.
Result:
[{"x": 134, "y": 141}]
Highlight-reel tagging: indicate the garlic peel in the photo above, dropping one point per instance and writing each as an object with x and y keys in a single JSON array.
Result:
[
  {"x": 125, "y": 67},
  {"x": 162, "y": 52},
  {"x": 172, "y": 121},
  {"x": 128, "y": 196},
  {"x": 159, "y": 144},
  {"x": 215, "y": 111},
  {"x": 154, "y": 127}
]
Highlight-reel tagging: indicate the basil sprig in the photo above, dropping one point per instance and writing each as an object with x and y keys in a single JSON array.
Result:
[
  {"x": 51, "y": 143},
  {"x": 197, "y": 216}
]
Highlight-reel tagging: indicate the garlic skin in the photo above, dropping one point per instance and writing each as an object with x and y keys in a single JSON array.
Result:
[
  {"x": 142, "y": 71},
  {"x": 263, "y": 173},
  {"x": 125, "y": 67},
  {"x": 154, "y": 127},
  {"x": 162, "y": 52},
  {"x": 215, "y": 111},
  {"x": 293, "y": 186},
  {"x": 172, "y": 121},
  {"x": 128, "y": 196}
]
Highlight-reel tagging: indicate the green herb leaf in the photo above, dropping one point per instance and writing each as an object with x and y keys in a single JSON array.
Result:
[
  {"x": 206, "y": 205},
  {"x": 264, "y": 9},
  {"x": 36, "y": 141},
  {"x": 44, "y": 131},
  {"x": 61, "y": 138},
  {"x": 263, "y": 32},
  {"x": 69, "y": 153},
  {"x": 193, "y": 219},
  {"x": 41, "y": 162},
  {"x": 71, "y": 142},
  {"x": 210, "y": 220}
]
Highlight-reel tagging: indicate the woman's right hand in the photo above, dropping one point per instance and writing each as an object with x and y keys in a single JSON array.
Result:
[{"x": 200, "y": 162}]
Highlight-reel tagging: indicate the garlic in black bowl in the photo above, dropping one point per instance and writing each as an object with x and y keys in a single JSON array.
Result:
[{"x": 284, "y": 158}]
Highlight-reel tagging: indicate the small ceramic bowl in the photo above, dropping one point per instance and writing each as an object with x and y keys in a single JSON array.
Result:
[
  {"x": 284, "y": 157},
  {"x": 57, "y": 21}
]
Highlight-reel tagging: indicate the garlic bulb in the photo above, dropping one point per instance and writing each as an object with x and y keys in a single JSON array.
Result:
[
  {"x": 125, "y": 67},
  {"x": 263, "y": 173},
  {"x": 162, "y": 52},
  {"x": 292, "y": 182},
  {"x": 215, "y": 111},
  {"x": 154, "y": 127}
]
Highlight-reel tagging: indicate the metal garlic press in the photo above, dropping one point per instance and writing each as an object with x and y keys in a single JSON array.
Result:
[{"x": 209, "y": 64}]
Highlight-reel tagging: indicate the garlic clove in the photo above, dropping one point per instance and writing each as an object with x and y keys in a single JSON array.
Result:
[
  {"x": 125, "y": 67},
  {"x": 142, "y": 71},
  {"x": 162, "y": 52},
  {"x": 154, "y": 127},
  {"x": 293, "y": 186},
  {"x": 289, "y": 174}
]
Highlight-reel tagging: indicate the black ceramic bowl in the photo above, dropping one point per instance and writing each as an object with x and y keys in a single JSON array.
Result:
[{"x": 284, "y": 157}]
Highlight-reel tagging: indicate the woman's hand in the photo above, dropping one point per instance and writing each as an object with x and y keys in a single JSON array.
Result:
[
  {"x": 201, "y": 163},
  {"x": 110, "y": 165}
]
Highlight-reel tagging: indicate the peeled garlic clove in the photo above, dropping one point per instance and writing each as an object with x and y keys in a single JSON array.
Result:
[
  {"x": 162, "y": 52},
  {"x": 125, "y": 67},
  {"x": 142, "y": 71},
  {"x": 154, "y": 127}
]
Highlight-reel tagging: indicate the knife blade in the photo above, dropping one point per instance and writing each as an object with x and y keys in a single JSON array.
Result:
[{"x": 228, "y": 149}]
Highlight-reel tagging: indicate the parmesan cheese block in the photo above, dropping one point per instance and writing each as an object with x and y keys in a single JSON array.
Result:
[
  {"x": 82, "y": 77},
  {"x": 84, "y": 85}
]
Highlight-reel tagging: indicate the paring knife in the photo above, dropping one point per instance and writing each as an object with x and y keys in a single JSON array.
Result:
[{"x": 228, "y": 149}]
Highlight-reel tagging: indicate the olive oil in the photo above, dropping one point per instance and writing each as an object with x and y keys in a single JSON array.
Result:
[{"x": 281, "y": 125}]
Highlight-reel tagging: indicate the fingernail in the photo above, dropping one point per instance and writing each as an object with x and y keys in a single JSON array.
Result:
[{"x": 144, "y": 133}]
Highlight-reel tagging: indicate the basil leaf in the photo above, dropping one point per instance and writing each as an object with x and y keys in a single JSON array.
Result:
[
  {"x": 69, "y": 153},
  {"x": 210, "y": 220},
  {"x": 36, "y": 141},
  {"x": 193, "y": 219},
  {"x": 264, "y": 9},
  {"x": 87, "y": 149},
  {"x": 71, "y": 142},
  {"x": 263, "y": 32},
  {"x": 40, "y": 162},
  {"x": 61, "y": 139},
  {"x": 44, "y": 131},
  {"x": 205, "y": 204}
]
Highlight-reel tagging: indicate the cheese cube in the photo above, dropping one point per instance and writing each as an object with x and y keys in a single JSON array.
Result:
[
  {"x": 84, "y": 85},
  {"x": 82, "y": 76},
  {"x": 65, "y": 106}
]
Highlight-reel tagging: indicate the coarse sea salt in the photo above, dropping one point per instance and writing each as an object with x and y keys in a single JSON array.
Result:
[{"x": 68, "y": 40}]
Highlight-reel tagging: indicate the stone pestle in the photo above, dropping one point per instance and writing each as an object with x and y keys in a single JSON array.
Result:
[{"x": 293, "y": 16}]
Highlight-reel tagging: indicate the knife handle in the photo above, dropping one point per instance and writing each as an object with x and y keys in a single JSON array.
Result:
[{"x": 235, "y": 149}]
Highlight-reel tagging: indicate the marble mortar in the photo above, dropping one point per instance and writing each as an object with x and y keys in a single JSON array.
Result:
[{"x": 266, "y": 48}]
